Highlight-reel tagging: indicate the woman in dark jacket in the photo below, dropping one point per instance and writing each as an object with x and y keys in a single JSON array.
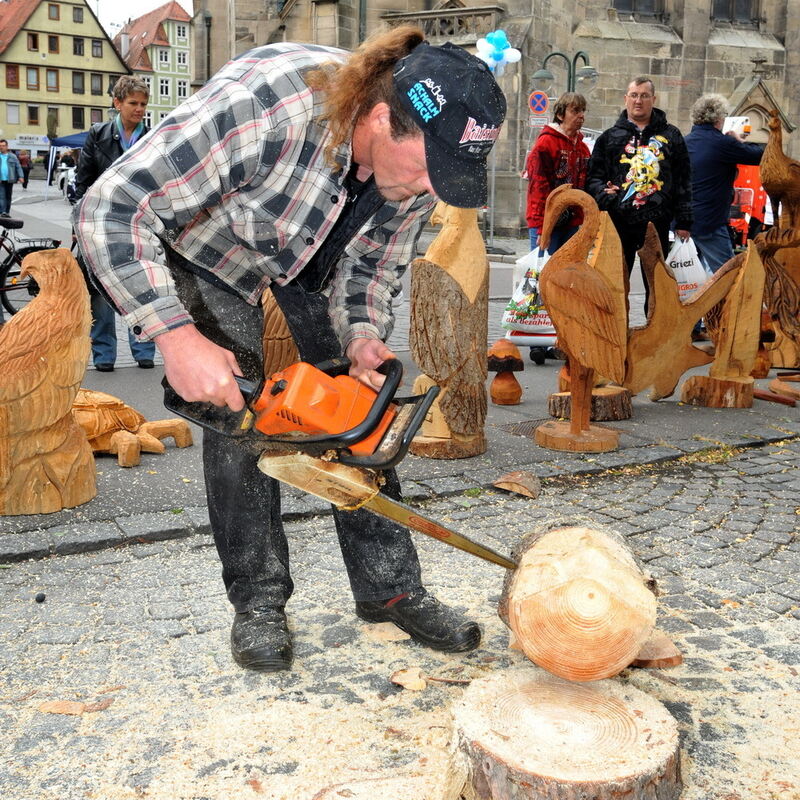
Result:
[{"x": 106, "y": 142}]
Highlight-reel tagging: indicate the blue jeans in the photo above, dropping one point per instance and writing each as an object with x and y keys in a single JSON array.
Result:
[
  {"x": 557, "y": 237},
  {"x": 104, "y": 336},
  {"x": 6, "y": 187},
  {"x": 715, "y": 248}
]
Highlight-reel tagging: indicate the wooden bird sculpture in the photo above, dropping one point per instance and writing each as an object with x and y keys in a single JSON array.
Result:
[
  {"x": 590, "y": 321},
  {"x": 780, "y": 177},
  {"x": 448, "y": 333},
  {"x": 46, "y": 463}
]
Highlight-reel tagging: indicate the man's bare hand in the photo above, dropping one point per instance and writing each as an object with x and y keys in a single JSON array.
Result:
[
  {"x": 682, "y": 234},
  {"x": 611, "y": 188},
  {"x": 199, "y": 370},
  {"x": 366, "y": 356}
]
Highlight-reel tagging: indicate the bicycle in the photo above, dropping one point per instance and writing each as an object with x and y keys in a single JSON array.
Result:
[{"x": 15, "y": 291}]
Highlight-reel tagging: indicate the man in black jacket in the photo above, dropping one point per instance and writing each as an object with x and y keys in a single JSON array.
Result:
[
  {"x": 639, "y": 172},
  {"x": 106, "y": 142}
]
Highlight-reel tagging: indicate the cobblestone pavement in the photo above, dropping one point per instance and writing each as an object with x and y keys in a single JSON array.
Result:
[{"x": 146, "y": 626}]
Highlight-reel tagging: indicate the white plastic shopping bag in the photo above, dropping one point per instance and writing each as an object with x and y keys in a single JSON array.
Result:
[
  {"x": 524, "y": 311},
  {"x": 684, "y": 261}
]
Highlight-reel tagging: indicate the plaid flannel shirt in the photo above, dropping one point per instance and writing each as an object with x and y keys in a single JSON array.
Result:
[{"x": 236, "y": 181}]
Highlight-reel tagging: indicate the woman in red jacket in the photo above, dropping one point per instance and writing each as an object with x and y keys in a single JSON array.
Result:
[{"x": 559, "y": 156}]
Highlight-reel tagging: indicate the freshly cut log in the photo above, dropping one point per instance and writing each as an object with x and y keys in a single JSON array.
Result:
[
  {"x": 579, "y": 603},
  {"x": 527, "y": 735},
  {"x": 608, "y": 403}
]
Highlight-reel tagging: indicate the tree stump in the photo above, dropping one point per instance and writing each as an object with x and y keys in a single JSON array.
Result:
[
  {"x": 526, "y": 735},
  {"x": 608, "y": 403},
  {"x": 579, "y": 604},
  {"x": 705, "y": 390}
]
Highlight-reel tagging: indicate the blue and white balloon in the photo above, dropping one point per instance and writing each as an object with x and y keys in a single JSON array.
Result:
[{"x": 496, "y": 51}]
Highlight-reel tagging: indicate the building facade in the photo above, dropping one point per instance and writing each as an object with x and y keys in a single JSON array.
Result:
[
  {"x": 56, "y": 67},
  {"x": 688, "y": 47},
  {"x": 157, "y": 47}
]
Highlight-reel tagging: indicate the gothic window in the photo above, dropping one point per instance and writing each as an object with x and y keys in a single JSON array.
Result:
[
  {"x": 735, "y": 11},
  {"x": 639, "y": 8}
]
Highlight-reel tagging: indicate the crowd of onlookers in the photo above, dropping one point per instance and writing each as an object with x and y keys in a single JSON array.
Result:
[{"x": 642, "y": 170}]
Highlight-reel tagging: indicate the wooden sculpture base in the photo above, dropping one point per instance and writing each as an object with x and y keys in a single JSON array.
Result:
[
  {"x": 703, "y": 390},
  {"x": 608, "y": 403},
  {"x": 436, "y": 439},
  {"x": 432, "y": 447},
  {"x": 526, "y": 735},
  {"x": 557, "y": 436},
  {"x": 579, "y": 603}
]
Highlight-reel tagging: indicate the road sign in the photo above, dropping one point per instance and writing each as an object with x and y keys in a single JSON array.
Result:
[{"x": 538, "y": 102}]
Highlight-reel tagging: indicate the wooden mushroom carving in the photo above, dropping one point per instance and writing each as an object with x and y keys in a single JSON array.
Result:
[{"x": 504, "y": 360}]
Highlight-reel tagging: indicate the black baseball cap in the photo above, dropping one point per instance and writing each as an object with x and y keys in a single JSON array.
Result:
[{"x": 454, "y": 99}]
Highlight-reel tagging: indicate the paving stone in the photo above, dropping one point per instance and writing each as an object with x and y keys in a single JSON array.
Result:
[{"x": 23, "y": 545}]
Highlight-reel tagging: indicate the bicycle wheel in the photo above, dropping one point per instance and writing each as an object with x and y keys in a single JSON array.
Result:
[{"x": 15, "y": 291}]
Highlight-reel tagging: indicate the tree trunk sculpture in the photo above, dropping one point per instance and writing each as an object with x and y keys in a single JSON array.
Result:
[{"x": 449, "y": 329}]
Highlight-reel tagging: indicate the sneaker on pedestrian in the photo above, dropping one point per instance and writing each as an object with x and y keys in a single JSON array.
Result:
[
  {"x": 104, "y": 367},
  {"x": 145, "y": 363},
  {"x": 426, "y": 620},
  {"x": 260, "y": 640}
]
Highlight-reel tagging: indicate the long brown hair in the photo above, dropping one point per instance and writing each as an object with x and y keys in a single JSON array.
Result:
[{"x": 354, "y": 88}]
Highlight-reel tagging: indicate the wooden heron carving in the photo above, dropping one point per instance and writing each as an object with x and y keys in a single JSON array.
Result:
[{"x": 589, "y": 318}]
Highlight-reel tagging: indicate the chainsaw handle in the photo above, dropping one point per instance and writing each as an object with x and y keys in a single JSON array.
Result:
[{"x": 250, "y": 389}]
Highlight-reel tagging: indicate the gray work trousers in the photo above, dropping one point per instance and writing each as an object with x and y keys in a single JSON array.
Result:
[{"x": 244, "y": 503}]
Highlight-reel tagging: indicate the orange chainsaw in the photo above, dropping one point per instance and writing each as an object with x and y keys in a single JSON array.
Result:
[
  {"x": 320, "y": 410},
  {"x": 340, "y": 432}
]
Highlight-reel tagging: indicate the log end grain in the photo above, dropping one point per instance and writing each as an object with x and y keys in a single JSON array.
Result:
[{"x": 529, "y": 736}]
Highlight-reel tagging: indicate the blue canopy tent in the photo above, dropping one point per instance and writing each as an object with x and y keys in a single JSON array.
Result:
[{"x": 74, "y": 140}]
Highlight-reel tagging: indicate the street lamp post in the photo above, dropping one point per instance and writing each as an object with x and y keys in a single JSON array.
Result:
[{"x": 585, "y": 77}]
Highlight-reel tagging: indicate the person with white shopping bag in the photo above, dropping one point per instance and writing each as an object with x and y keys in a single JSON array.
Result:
[{"x": 685, "y": 263}]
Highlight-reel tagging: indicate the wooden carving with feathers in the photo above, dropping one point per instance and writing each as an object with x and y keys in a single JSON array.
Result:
[
  {"x": 46, "y": 463},
  {"x": 780, "y": 177},
  {"x": 586, "y": 311}
]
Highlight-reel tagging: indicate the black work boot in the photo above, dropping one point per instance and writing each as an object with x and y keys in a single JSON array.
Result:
[
  {"x": 426, "y": 620},
  {"x": 260, "y": 640}
]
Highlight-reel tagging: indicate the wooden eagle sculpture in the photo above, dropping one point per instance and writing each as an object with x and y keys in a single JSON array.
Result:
[
  {"x": 448, "y": 333},
  {"x": 587, "y": 312},
  {"x": 780, "y": 177},
  {"x": 46, "y": 463}
]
